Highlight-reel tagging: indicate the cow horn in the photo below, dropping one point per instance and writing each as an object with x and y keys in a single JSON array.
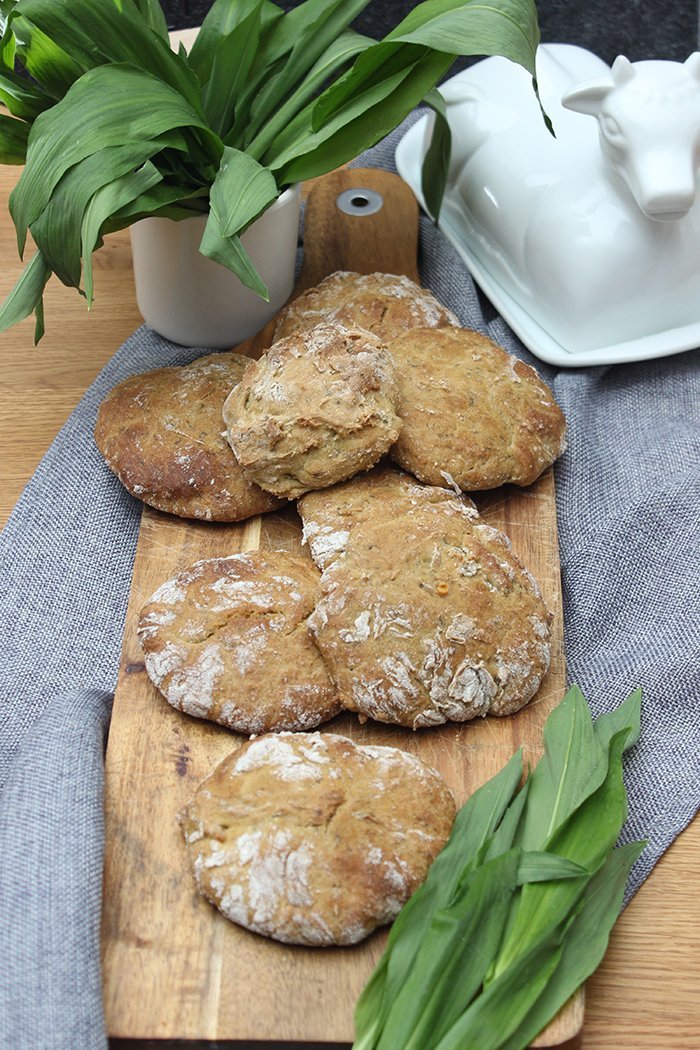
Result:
[
  {"x": 622, "y": 70},
  {"x": 692, "y": 64}
]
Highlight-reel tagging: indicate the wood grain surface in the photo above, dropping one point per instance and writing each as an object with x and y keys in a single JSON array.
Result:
[
  {"x": 173, "y": 966},
  {"x": 644, "y": 995}
]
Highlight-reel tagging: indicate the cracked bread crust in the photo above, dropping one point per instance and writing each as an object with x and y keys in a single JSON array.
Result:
[
  {"x": 472, "y": 414},
  {"x": 318, "y": 407},
  {"x": 226, "y": 640},
  {"x": 425, "y": 615},
  {"x": 385, "y": 304},
  {"x": 161, "y": 433},
  {"x": 313, "y": 839}
]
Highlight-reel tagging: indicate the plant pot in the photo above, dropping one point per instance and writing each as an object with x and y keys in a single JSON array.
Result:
[{"x": 192, "y": 300}]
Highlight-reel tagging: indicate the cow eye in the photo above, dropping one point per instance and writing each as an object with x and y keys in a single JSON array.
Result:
[{"x": 611, "y": 129}]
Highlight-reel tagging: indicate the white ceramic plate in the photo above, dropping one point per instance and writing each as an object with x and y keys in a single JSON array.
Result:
[{"x": 409, "y": 157}]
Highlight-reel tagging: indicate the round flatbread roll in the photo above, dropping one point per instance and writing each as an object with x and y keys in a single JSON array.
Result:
[
  {"x": 473, "y": 415},
  {"x": 386, "y": 304},
  {"x": 319, "y": 407},
  {"x": 312, "y": 839},
  {"x": 226, "y": 640},
  {"x": 426, "y": 615},
  {"x": 162, "y": 434}
]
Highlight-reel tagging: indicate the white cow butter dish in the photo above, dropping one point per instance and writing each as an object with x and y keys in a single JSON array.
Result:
[{"x": 588, "y": 243}]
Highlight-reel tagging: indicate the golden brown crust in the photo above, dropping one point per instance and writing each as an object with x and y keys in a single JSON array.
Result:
[
  {"x": 226, "y": 640},
  {"x": 161, "y": 433},
  {"x": 385, "y": 304},
  {"x": 472, "y": 414},
  {"x": 318, "y": 407},
  {"x": 313, "y": 839},
  {"x": 425, "y": 614}
]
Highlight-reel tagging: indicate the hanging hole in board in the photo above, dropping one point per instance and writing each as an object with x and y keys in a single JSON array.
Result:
[{"x": 359, "y": 201}]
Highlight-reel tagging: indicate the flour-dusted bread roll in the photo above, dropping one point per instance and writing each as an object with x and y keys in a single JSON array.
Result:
[
  {"x": 226, "y": 640},
  {"x": 162, "y": 434},
  {"x": 312, "y": 839},
  {"x": 425, "y": 614},
  {"x": 386, "y": 304},
  {"x": 472, "y": 414},
  {"x": 318, "y": 407}
]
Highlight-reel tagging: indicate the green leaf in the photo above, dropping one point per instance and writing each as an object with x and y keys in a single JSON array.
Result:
[
  {"x": 110, "y": 106},
  {"x": 13, "y": 140},
  {"x": 340, "y": 52},
  {"x": 585, "y": 942},
  {"x": 573, "y": 766},
  {"x": 152, "y": 14},
  {"x": 162, "y": 201},
  {"x": 360, "y": 124},
  {"x": 241, "y": 191},
  {"x": 222, "y": 19},
  {"x": 626, "y": 715},
  {"x": 22, "y": 98},
  {"x": 452, "y": 958},
  {"x": 26, "y": 296},
  {"x": 437, "y": 158},
  {"x": 103, "y": 204},
  {"x": 96, "y": 33},
  {"x": 43, "y": 59},
  {"x": 57, "y": 231},
  {"x": 501, "y": 1007},
  {"x": 230, "y": 67},
  {"x": 230, "y": 253},
  {"x": 586, "y": 837},
  {"x": 540, "y": 866},
  {"x": 475, "y": 823},
  {"x": 302, "y": 36},
  {"x": 471, "y": 27}
]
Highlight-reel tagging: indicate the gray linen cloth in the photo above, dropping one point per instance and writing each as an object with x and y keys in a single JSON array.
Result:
[{"x": 627, "y": 491}]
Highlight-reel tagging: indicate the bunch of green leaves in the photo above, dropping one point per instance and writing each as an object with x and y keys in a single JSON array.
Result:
[
  {"x": 113, "y": 126},
  {"x": 517, "y": 909}
]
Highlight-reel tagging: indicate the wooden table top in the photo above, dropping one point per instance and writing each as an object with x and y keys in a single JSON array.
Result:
[{"x": 644, "y": 996}]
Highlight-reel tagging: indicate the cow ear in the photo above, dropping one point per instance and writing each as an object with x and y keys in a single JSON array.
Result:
[
  {"x": 622, "y": 70},
  {"x": 692, "y": 64},
  {"x": 586, "y": 98}
]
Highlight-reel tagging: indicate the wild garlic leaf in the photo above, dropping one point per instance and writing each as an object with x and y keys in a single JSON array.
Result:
[
  {"x": 96, "y": 33},
  {"x": 26, "y": 296},
  {"x": 108, "y": 106},
  {"x": 22, "y": 98},
  {"x": 317, "y": 24},
  {"x": 496, "y": 1012},
  {"x": 626, "y": 715},
  {"x": 476, "y": 821},
  {"x": 585, "y": 942},
  {"x": 13, "y": 140},
  {"x": 230, "y": 253},
  {"x": 573, "y": 766},
  {"x": 437, "y": 157},
  {"x": 53, "y": 69},
  {"x": 241, "y": 191},
  {"x": 230, "y": 67},
  {"x": 502, "y": 27},
  {"x": 362, "y": 123},
  {"x": 452, "y": 958},
  {"x": 152, "y": 14},
  {"x": 57, "y": 231},
  {"x": 586, "y": 838},
  {"x": 341, "y": 51},
  {"x": 162, "y": 200},
  {"x": 103, "y": 204},
  {"x": 221, "y": 20}
]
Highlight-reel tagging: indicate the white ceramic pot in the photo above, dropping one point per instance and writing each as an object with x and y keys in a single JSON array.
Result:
[{"x": 192, "y": 300}]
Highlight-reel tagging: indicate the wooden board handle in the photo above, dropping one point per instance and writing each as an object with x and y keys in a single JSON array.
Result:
[{"x": 360, "y": 219}]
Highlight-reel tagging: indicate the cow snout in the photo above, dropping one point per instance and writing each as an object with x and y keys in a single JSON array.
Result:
[{"x": 664, "y": 187}]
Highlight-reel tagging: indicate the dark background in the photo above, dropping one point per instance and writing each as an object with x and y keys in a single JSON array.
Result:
[{"x": 638, "y": 29}]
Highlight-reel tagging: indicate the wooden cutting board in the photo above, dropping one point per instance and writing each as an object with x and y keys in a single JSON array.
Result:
[{"x": 174, "y": 968}]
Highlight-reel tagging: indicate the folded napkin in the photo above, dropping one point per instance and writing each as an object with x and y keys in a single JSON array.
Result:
[{"x": 627, "y": 496}]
